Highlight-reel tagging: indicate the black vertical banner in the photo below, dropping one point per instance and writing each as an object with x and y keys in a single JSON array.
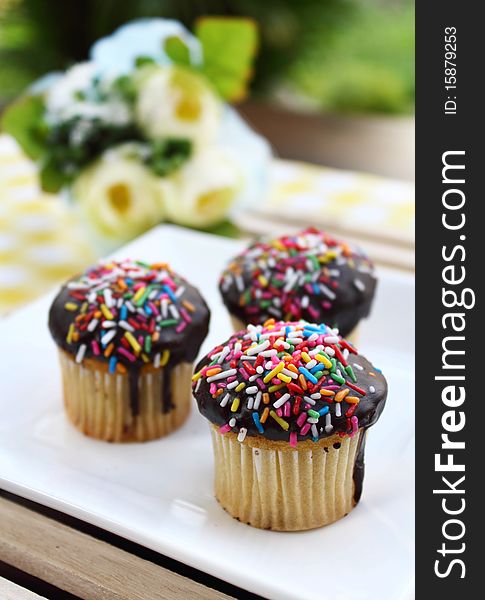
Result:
[{"x": 450, "y": 359}]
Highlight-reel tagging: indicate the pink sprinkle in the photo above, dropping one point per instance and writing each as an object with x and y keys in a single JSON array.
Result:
[
  {"x": 131, "y": 357},
  {"x": 327, "y": 305},
  {"x": 287, "y": 409},
  {"x": 312, "y": 311},
  {"x": 275, "y": 360},
  {"x": 244, "y": 374},
  {"x": 185, "y": 315},
  {"x": 153, "y": 308},
  {"x": 276, "y": 381},
  {"x": 225, "y": 428},
  {"x": 213, "y": 388},
  {"x": 293, "y": 439},
  {"x": 237, "y": 355},
  {"x": 301, "y": 419},
  {"x": 231, "y": 379},
  {"x": 305, "y": 429},
  {"x": 261, "y": 383},
  {"x": 279, "y": 412},
  {"x": 181, "y": 327},
  {"x": 95, "y": 347},
  {"x": 355, "y": 425}
]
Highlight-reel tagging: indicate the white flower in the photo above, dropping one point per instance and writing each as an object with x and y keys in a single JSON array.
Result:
[
  {"x": 205, "y": 189},
  {"x": 116, "y": 54},
  {"x": 71, "y": 95},
  {"x": 175, "y": 102},
  {"x": 119, "y": 196}
]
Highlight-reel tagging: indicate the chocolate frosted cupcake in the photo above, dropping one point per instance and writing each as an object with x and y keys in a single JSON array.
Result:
[
  {"x": 128, "y": 333},
  {"x": 308, "y": 276},
  {"x": 289, "y": 405}
]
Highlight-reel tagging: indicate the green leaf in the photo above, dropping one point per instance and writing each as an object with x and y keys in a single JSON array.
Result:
[
  {"x": 51, "y": 179},
  {"x": 229, "y": 47},
  {"x": 177, "y": 50},
  {"x": 22, "y": 120}
]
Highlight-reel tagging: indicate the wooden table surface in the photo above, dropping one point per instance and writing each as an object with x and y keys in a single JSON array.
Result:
[{"x": 44, "y": 553}]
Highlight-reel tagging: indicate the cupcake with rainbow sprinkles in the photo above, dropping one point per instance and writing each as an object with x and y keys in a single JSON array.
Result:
[
  {"x": 309, "y": 275},
  {"x": 127, "y": 334},
  {"x": 289, "y": 405}
]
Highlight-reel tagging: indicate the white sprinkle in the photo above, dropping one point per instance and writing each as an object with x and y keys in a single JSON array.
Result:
[
  {"x": 93, "y": 324},
  {"x": 173, "y": 311},
  {"x": 80, "y": 353},
  {"x": 328, "y": 423},
  {"x": 163, "y": 306},
  {"x": 312, "y": 420},
  {"x": 257, "y": 400},
  {"x": 314, "y": 431},
  {"x": 257, "y": 349},
  {"x": 259, "y": 370},
  {"x": 360, "y": 285},
  {"x": 129, "y": 306},
  {"x": 329, "y": 351},
  {"x": 316, "y": 396},
  {"x": 345, "y": 353},
  {"x": 179, "y": 291},
  {"x": 237, "y": 347},
  {"x": 197, "y": 385},
  {"x": 225, "y": 400},
  {"x": 253, "y": 377},
  {"x": 108, "y": 324},
  {"x": 358, "y": 367},
  {"x": 108, "y": 298},
  {"x": 156, "y": 360},
  {"x": 221, "y": 375},
  {"x": 233, "y": 384},
  {"x": 311, "y": 364},
  {"x": 372, "y": 389},
  {"x": 331, "y": 339},
  {"x": 338, "y": 410},
  {"x": 252, "y": 389},
  {"x": 224, "y": 353},
  {"x": 305, "y": 301},
  {"x": 126, "y": 326},
  {"x": 242, "y": 434},
  {"x": 232, "y": 422},
  {"x": 328, "y": 292},
  {"x": 250, "y": 402},
  {"x": 289, "y": 373},
  {"x": 239, "y": 283},
  {"x": 309, "y": 400},
  {"x": 295, "y": 341},
  {"x": 313, "y": 337},
  {"x": 281, "y": 400},
  {"x": 107, "y": 337},
  {"x": 245, "y": 357}
]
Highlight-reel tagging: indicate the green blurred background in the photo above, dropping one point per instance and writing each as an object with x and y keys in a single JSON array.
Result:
[{"x": 344, "y": 56}]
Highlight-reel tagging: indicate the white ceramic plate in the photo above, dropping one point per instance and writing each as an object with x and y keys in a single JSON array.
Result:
[{"x": 159, "y": 494}]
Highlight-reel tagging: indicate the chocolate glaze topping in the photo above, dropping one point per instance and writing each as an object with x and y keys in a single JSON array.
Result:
[
  {"x": 130, "y": 315},
  {"x": 308, "y": 276},
  {"x": 291, "y": 382}
]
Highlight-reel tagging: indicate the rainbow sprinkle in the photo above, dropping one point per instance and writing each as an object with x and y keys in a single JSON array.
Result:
[
  {"x": 286, "y": 375},
  {"x": 293, "y": 277}
]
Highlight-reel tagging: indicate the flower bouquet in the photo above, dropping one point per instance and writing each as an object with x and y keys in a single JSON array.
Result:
[{"x": 143, "y": 132}]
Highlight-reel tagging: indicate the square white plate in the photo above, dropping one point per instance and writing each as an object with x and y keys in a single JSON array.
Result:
[{"x": 159, "y": 494}]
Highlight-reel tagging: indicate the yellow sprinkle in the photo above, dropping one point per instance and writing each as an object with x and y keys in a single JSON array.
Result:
[
  {"x": 132, "y": 341},
  {"x": 70, "y": 333},
  {"x": 139, "y": 294},
  {"x": 323, "y": 360},
  {"x": 145, "y": 358},
  {"x": 275, "y": 388},
  {"x": 341, "y": 395},
  {"x": 164, "y": 358},
  {"x": 235, "y": 404},
  {"x": 241, "y": 386},
  {"x": 284, "y": 378},
  {"x": 107, "y": 313},
  {"x": 279, "y": 367},
  {"x": 264, "y": 416},
  {"x": 70, "y": 306},
  {"x": 305, "y": 357},
  {"x": 352, "y": 400},
  {"x": 196, "y": 376},
  {"x": 281, "y": 422},
  {"x": 84, "y": 307},
  {"x": 263, "y": 281}
]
